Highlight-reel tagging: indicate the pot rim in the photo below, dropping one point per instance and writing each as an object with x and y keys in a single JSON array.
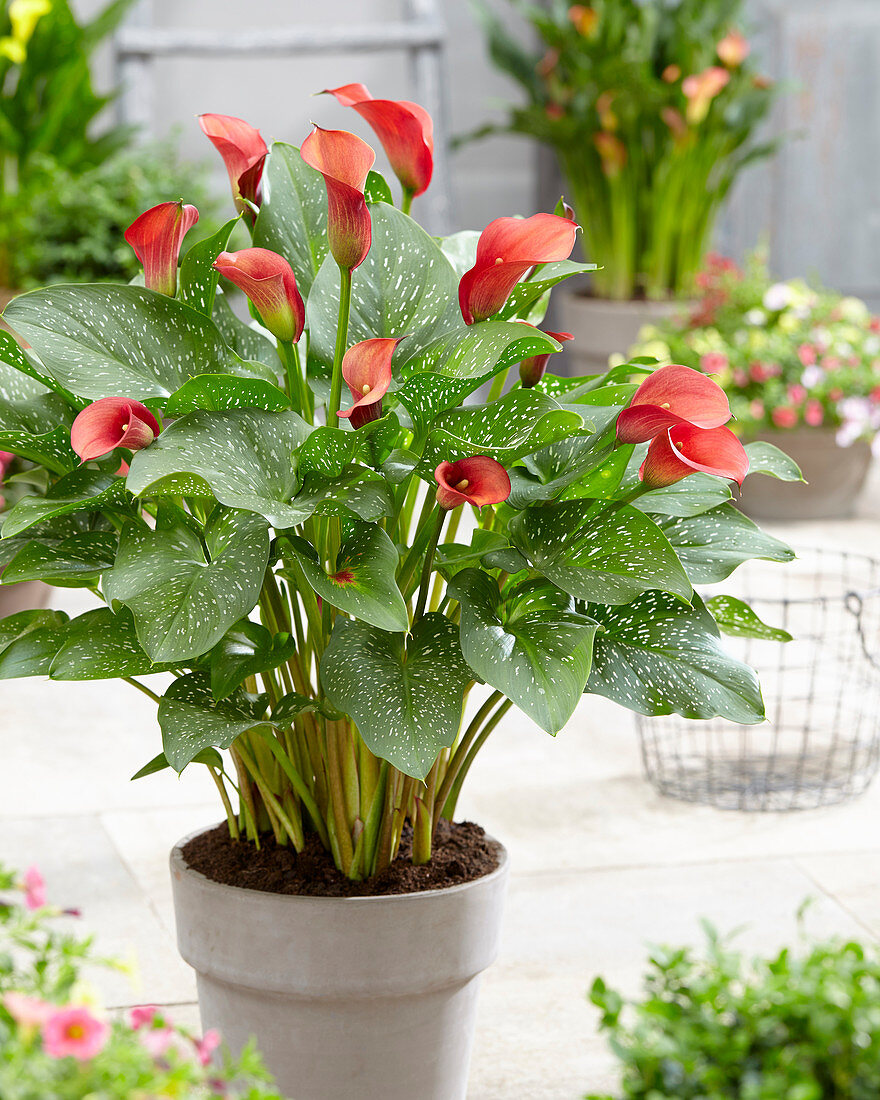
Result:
[{"x": 179, "y": 864}]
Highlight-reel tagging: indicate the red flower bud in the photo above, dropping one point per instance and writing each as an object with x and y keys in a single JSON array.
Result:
[
  {"x": 479, "y": 480},
  {"x": 672, "y": 395},
  {"x": 405, "y": 130},
  {"x": 507, "y": 248},
  {"x": 685, "y": 449},
  {"x": 244, "y": 154},
  {"x": 156, "y": 237},
  {"x": 112, "y": 422},
  {"x": 344, "y": 161},
  {"x": 366, "y": 368},
  {"x": 268, "y": 280},
  {"x": 531, "y": 371}
]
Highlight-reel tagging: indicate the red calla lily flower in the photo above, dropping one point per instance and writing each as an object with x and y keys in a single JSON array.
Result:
[
  {"x": 531, "y": 371},
  {"x": 507, "y": 248},
  {"x": 405, "y": 130},
  {"x": 672, "y": 395},
  {"x": 244, "y": 153},
  {"x": 366, "y": 368},
  {"x": 684, "y": 450},
  {"x": 156, "y": 237},
  {"x": 268, "y": 280},
  {"x": 479, "y": 480},
  {"x": 344, "y": 161},
  {"x": 112, "y": 422}
]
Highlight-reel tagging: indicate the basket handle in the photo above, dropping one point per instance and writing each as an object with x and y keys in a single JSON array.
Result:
[{"x": 855, "y": 604}]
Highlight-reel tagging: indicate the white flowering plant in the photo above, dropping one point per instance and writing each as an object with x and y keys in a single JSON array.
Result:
[{"x": 789, "y": 355}]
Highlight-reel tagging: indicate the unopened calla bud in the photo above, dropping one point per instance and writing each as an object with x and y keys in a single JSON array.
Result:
[
  {"x": 269, "y": 282},
  {"x": 156, "y": 237}
]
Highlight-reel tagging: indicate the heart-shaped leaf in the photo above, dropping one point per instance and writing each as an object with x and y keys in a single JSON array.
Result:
[
  {"x": 546, "y": 473},
  {"x": 599, "y": 550},
  {"x": 198, "y": 277},
  {"x": 82, "y": 490},
  {"x": 246, "y": 649},
  {"x": 690, "y": 497},
  {"x": 50, "y": 449},
  {"x": 736, "y": 618},
  {"x": 455, "y": 556},
  {"x": 159, "y": 763},
  {"x": 102, "y": 646},
  {"x": 20, "y": 377},
  {"x": 183, "y": 600},
  {"x": 73, "y": 562},
  {"x": 29, "y": 641},
  {"x": 711, "y": 545},
  {"x": 293, "y": 214},
  {"x": 405, "y": 287},
  {"x": 532, "y": 646},
  {"x": 405, "y": 693},
  {"x": 103, "y": 340},
  {"x": 246, "y": 456},
  {"x": 221, "y": 392},
  {"x": 521, "y": 422},
  {"x": 377, "y": 189},
  {"x": 658, "y": 655},
  {"x": 192, "y": 720},
  {"x": 363, "y": 583},
  {"x": 764, "y": 458},
  {"x": 356, "y": 490},
  {"x": 474, "y": 352}
]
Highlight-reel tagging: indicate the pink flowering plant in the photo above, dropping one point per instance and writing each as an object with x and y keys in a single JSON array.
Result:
[
  {"x": 788, "y": 355},
  {"x": 651, "y": 109},
  {"x": 348, "y": 563},
  {"x": 56, "y": 1042}
]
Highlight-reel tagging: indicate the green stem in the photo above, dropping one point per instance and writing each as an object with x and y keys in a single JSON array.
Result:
[
  {"x": 406, "y": 200},
  {"x": 461, "y": 751},
  {"x": 299, "y": 785},
  {"x": 425, "y": 585},
  {"x": 341, "y": 345},
  {"x": 297, "y": 387},
  {"x": 143, "y": 688},
  {"x": 231, "y": 820},
  {"x": 449, "y": 805}
]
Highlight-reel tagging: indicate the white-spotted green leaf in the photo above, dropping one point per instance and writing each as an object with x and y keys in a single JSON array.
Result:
[
  {"x": 764, "y": 458},
  {"x": 532, "y": 645},
  {"x": 293, "y": 214},
  {"x": 20, "y": 377},
  {"x": 736, "y": 618},
  {"x": 689, "y": 497},
  {"x": 473, "y": 352},
  {"x": 82, "y": 490},
  {"x": 363, "y": 583},
  {"x": 198, "y": 277},
  {"x": 659, "y": 656},
  {"x": 546, "y": 474},
  {"x": 159, "y": 763},
  {"x": 28, "y": 642},
  {"x": 711, "y": 545},
  {"x": 249, "y": 344},
  {"x": 521, "y": 422},
  {"x": 245, "y": 456},
  {"x": 377, "y": 189},
  {"x": 221, "y": 392},
  {"x": 461, "y": 250},
  {"x": 72, "y": 562},
  {"x": 530, "y": 290},
  {"x": 357, "y": 490},
  {"x": 103, "y": 340},
  {"x": 50, "y": 449},
  {"x": 101, "y": 646},
  {"x": 404, "y": 692},
  {"x": 246, "y": 649},
  {"x": 192, "y": 720},
  {"x": 454, "y": 556},
  {"x": 598, "y": 550},
  {"x": 183, "y": 600}
]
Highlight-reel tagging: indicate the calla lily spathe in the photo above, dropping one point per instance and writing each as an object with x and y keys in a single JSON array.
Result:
[
  {"x": 269, "y": 282},
  {"x": 670, "y": 396},
  {"x": 366, "y": 368},
  {"x": 478, "y": 480},
  {"x": 684, "y": 449},
  {"x": 507, "y": 248},
  {"x": 156, "y": 237},
  {"x": 112, "y": 422},
  {"x": 244, "y": 154},
  {"x": 405, "y": 130},
  {"x": 531, "y": 370},
  {"x": 344, "y": 161}
]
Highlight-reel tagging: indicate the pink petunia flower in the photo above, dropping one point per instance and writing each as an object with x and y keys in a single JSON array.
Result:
[
  {"x": 158, "y": 1040},
  {"x": 141, "y": 1016},
  {"x": 34, "y": 888},
  {"x": 784, "y": 416},
  {"x": 713, "y": 361},
  {"x": 807, "y": 354},
  {"x": 74, "y": 1032},
  {"x": 206, "y": 1046},
  {"x": 813, "y": 414}
]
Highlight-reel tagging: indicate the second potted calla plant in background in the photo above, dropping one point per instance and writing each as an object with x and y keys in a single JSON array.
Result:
[
  {"x": 651, "y": 110},
  {"x": 351, "y": 575}
]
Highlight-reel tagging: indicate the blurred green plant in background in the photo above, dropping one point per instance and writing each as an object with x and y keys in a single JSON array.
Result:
[
  {"x": 797, "y": 1026},
  {"x": 68, "y": 185},
  {"x": 651, "y": 107}
]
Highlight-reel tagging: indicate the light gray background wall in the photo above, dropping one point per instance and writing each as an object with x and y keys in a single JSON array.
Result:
[{"x": 817, "y": 202}]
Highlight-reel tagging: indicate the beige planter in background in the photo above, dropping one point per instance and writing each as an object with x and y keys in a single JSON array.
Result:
[
  {"x": 348, "y": 998},
  {"x": 603, "y": 327},
  {"x": 834, "y": 477},
  {"x": 24, "y": 596}
]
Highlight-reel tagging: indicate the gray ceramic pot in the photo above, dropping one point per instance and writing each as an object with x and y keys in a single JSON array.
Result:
[
  {"x": 24, "y": 596},
  {"x": 348, "y": 998},
  {"x": 834, "y": 477},
  {"x": 603, "y": 327}
]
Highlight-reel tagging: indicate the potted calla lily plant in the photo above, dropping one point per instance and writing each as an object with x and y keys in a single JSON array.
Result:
[{"x": 347, "y": 574}]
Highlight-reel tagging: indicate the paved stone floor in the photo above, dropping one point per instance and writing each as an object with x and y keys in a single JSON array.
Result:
[{"x": 602, "y": 866}]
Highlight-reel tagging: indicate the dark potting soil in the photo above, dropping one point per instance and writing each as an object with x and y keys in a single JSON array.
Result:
[{"x": 461, "y": 852}]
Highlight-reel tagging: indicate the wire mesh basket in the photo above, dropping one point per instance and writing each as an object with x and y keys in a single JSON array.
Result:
[{"x": 821, "y": 743}]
